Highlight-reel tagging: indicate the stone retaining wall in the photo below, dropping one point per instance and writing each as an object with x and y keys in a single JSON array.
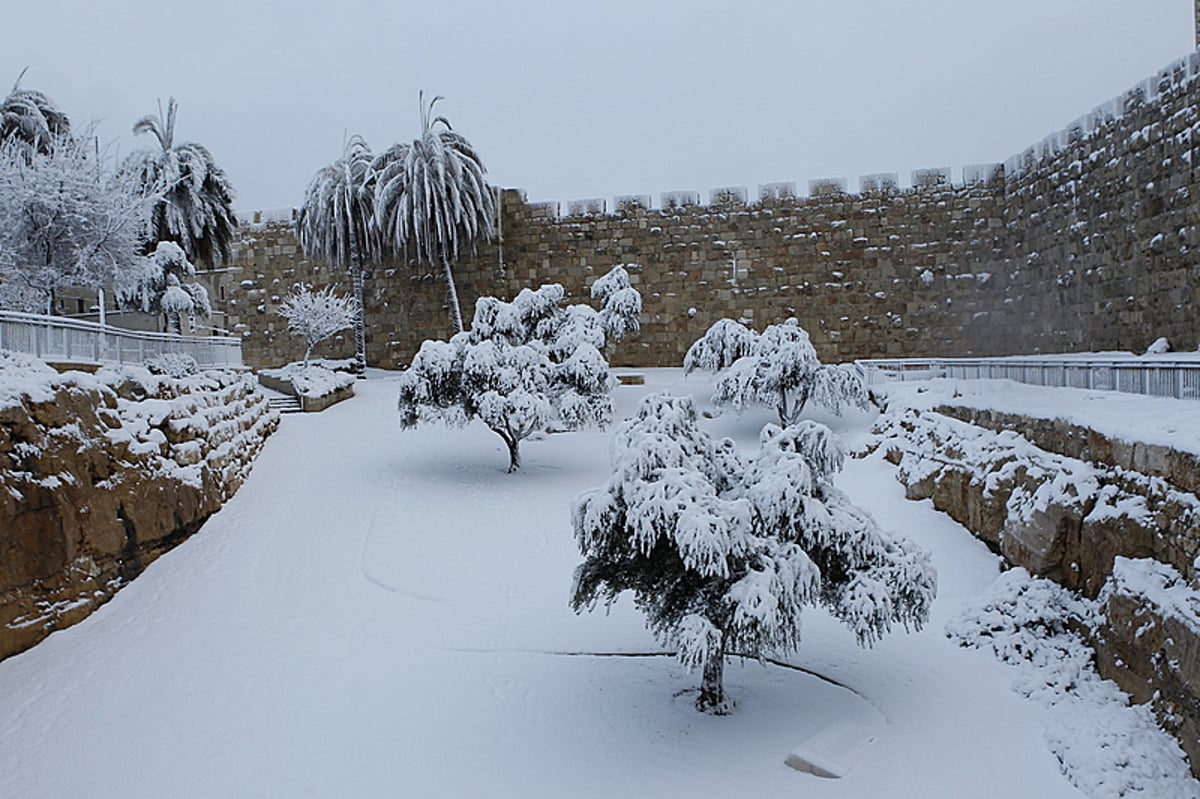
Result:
[
  {"x": 1087, "y": 512},
  {"x": 101, "y": 475}
]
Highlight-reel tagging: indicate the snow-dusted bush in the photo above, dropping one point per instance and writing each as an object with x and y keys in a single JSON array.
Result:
[
  {"x": 155, "y": 285},
  {"x": 317, "y": 315},
  {"x": 779, "y": 368},
  {"x": 172, "y": 364},
  {"x": 523, "y": 367},
  {"x": 722, "y": 553},
  {"x": 1103, "y": 745},
  {"x": 312, "y": 379}
]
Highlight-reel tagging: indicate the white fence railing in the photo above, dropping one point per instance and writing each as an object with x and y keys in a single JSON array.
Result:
[
  {"x": 59, "y": 339},
  {"x": 1157, "y": 376}
]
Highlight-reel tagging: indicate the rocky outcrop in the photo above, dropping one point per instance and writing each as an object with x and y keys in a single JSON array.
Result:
[
  {"x": 99, "y": 475},
  {"x": 1126, "y": 538},
  {"x": 1058, "y": 516},
  {"x": 1149, "y": 644}
]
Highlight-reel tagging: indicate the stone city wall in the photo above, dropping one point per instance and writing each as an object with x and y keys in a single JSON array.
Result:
[{"x": 1083, "y": 242}]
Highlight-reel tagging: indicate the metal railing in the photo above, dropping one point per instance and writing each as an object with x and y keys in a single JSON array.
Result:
[
  {"x": 62, "y": 340},
  {"x": 1156, "y": 376}
]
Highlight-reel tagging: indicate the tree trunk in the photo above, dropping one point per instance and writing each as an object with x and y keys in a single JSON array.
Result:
[
  {"x": 514, "y": 449},
  {"x": 712, "y": 688},
  {"x": 357, "y": 279},
  {"x": 452, "y": 297},
  {"x": 360, "y": 326}
]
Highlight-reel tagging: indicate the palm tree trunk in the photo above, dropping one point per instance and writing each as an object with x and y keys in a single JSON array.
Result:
[
  {"x": 358, "y": 280},
  {"x": 452, "y": 296},
  {"x": 360, "y": 325}
]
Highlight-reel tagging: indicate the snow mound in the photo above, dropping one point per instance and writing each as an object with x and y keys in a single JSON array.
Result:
[
  {"x": 833, "y": 752},
  {"x": 1106, "y": 748}
]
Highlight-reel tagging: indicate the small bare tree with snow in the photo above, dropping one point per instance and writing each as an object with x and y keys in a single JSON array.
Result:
[
  {"x": 317, "y": 316},
  {"x": 524, "y": 366},
  {"x": 778, "y": 368},
  {"x": 156, "y": 286},
  {"x": 722, "y": 554}
]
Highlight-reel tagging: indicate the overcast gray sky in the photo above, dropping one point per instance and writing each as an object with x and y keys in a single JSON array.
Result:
[{"x": 571, "y": 100}]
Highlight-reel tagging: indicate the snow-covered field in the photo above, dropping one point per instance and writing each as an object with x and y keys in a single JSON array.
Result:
[{"x": 384, "y": 613}]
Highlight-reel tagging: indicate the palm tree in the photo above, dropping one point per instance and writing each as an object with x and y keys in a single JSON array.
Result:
[
  {"x": 335, "y": 223},
  {"x": 32, "y": 117},
  {"x": 196, "y": 211},
  {"x": 431, "y": 197}
]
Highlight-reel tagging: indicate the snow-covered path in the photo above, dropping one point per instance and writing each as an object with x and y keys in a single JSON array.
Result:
[{"x": 384, "y": 613}]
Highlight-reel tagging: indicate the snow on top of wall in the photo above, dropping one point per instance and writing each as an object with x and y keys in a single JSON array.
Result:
[
  {"x": 1159, "y": 585},
  {"x": 260, "y": 218},
  {"x": 1177, "y": 73},
  {"x": 23, "y": 376},
  {"x": 1126, "y": 417}
]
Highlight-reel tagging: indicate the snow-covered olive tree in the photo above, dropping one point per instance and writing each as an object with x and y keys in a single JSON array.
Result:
[
  {"x": 195, "y": 209},
  {"x": 317, "y": 315},
  {"x": 65, "y": 220},
  {"x": 335, "y": 223},
  {"x": 778, "y": 367},
  {"x": 524, "y": 366},
  {"x": 722, "y": 554},
  {"x": 431, "y": 198},
  {"x": 155, "y": 285}
]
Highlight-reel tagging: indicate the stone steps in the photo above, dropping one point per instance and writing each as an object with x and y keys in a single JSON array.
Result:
[{"x": 285, "y": 404}]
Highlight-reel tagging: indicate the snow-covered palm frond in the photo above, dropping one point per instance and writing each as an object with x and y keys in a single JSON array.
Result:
[
  {"x": 33, "y": 118},
  {"x": 196, "y": 209},
  {"x": 335, "y": 218},
  {"x": 431, "y": 197}
]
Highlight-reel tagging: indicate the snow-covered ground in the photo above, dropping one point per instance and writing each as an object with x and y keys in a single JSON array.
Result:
[{"x": 384, "y": 613}]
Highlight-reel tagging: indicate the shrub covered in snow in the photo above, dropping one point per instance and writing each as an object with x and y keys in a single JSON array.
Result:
[
  {"x": 317, "y": 315},
  {"x": 779, "y": 368},
  {"x": 172, "y": 364},
  {"x": 722, "y": 553},
  {"x": 313, "y": 379},
  {"x": 524, "y": 365}
]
